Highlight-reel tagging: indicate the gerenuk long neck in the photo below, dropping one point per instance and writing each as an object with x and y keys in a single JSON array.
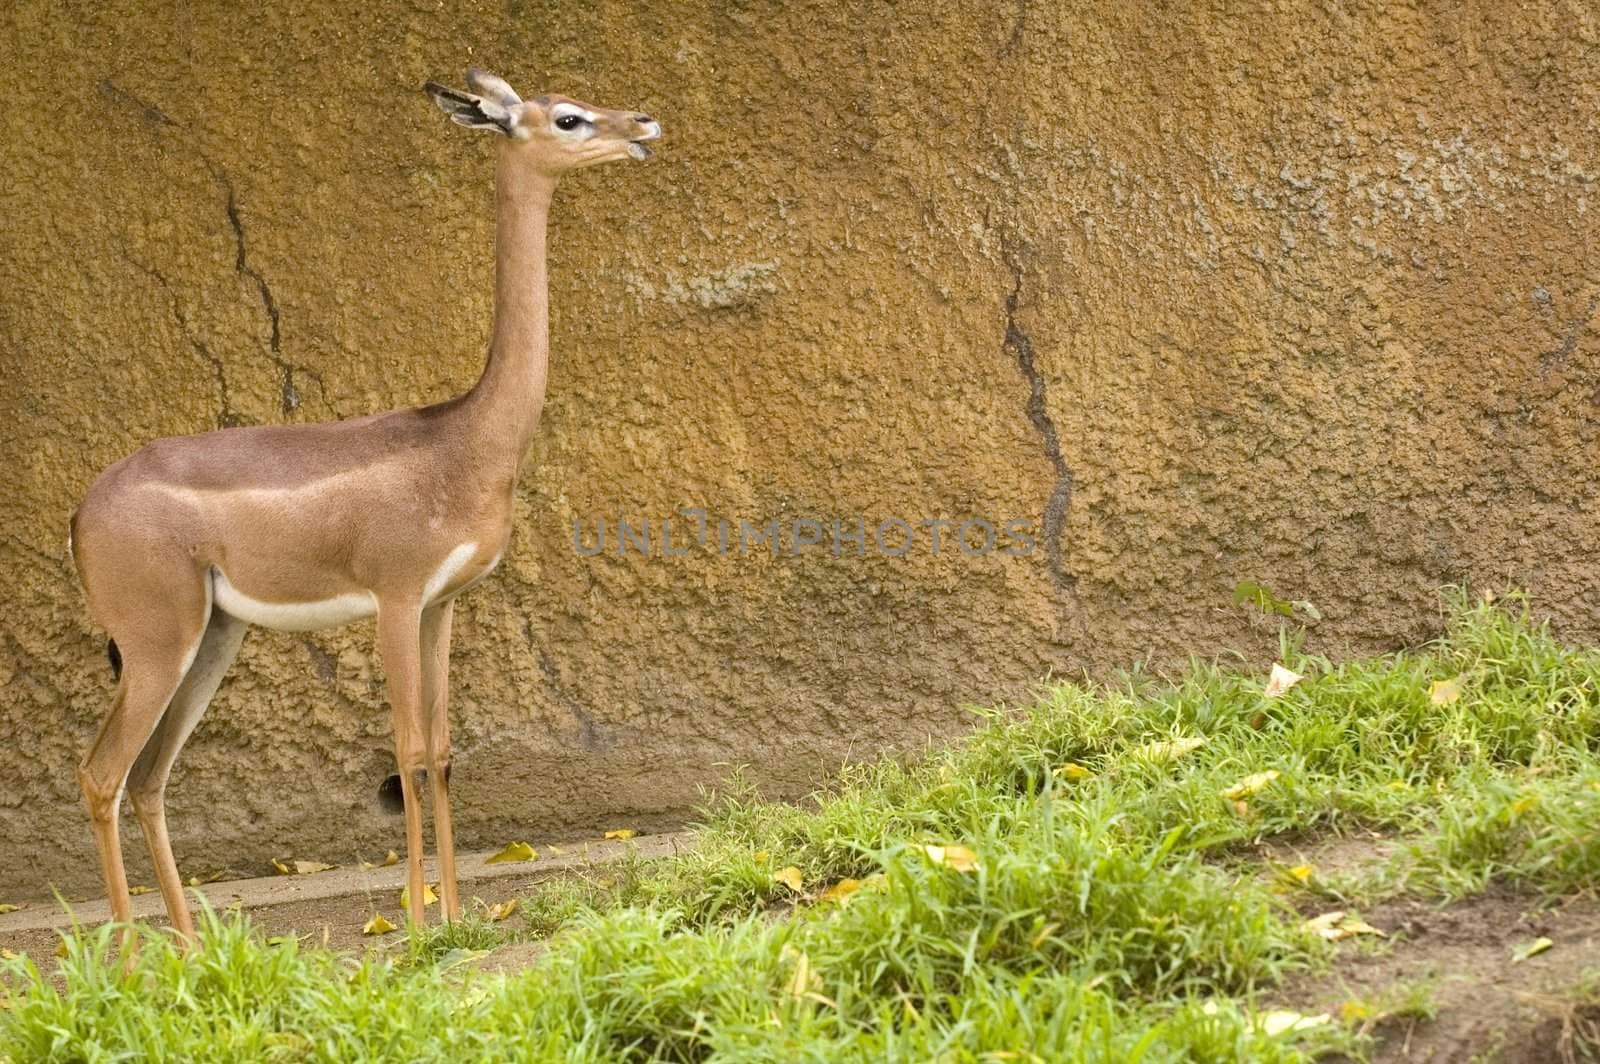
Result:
[{"x": 506, "y": 401}]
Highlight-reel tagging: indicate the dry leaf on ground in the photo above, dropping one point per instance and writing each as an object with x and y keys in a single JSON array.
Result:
[
  {"x": 1169, "y": 749},
  {"x": 7, "y": 907},
  {"x": 805, "y": 982},
  {"x": 377, "y": 926},
  {"x": 959, "y": 858},
  {"x": 1285, "y": 1021},
  {"x": 790, "y": 877},
  {"x": 514, "y": 851},
  {"x": 136, "y": 891},
  {"x": 299, "y": 868},
  {"x": 1338, "y": 924},
  {"x": 1073, "y": 771},
  {"x": 1445, "y": 692},
  {"x": 1251, "y": 784},
  {"x": 840, "y": 890},
  {"x": 621, "y": 833},
  {"x": 428, "y": 896},
  {"x": 503, "y": 910},
  {"x": 1043, "y": 933},
  {"x": 1531, "y": 949},
  {"x": 1279, "y": 681}
]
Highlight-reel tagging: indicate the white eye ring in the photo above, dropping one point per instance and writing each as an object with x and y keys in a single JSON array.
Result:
[{"x": 572, "y": 120}]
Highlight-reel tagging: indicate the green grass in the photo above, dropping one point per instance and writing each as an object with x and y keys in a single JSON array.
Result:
[{"x": 1111, "y": 913}]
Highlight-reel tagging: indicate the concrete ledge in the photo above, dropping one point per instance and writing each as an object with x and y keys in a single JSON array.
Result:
[{"x": 269, "y": 891}]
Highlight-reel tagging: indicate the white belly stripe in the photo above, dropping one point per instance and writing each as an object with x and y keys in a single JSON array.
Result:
[
  {"x": 453, "y": 564},
  {"x": 293, "y": 616},
  {"x": 329, "y": 612}
]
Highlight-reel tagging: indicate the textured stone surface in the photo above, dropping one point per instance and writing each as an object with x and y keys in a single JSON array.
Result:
[{"x": 1295, "y": 292}]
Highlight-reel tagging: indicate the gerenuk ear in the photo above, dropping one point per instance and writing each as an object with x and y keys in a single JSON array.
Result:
[
  {"x": 491, "y": 87},
  {"x": 471, "y": 111}
]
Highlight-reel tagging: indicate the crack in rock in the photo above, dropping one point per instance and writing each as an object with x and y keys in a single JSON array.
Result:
[
  {"x": 1019, "y": 345},
  {"x": 1557, "y": 359},
  {"x": 227, "y": 417},
  {"x": 1018, "y": 25},
  {"x": 289, "y": 394},
  {"x": 149, "y": 112},
  {"x": 588, "y": 734}
]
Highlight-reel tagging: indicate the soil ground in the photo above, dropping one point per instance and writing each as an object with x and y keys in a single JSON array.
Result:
[
  {"x": 1461, "y": 957},
  {"x": 1490, "y": 1006}
]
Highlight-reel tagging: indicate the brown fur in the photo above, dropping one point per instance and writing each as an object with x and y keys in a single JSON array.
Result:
[{"x": 305, "y": 513}]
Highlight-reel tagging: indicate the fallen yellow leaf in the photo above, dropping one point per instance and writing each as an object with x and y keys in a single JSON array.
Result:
[
  {"x": 8, "y": 954},
  {"x": 136, "y": 891},
  {"x": 1073, "y": 771},
  {"x": 1251, "y": 784},
  {"x": 6, "y": 907},
  {"x": 1445, "y": 692},
  {"x": 1531, "y": 949},
  {"x": 840, "y": 890},
  {"x": 621, "y": 833},
  {"x": 789, "y": 876},
  {"x": 61, "y": 948},
  {"x": 959, "y": 858},
  {"x": 1338, "y": 924},
  {"x": 428, "y": 896},
  {"x": 1170, "y": 749},
  {"x": 1279, "y": 681},
  {"x": 1524, "y": 805},
  {"x": 503, "y": 910},
  {"x": 805, "y": 981},
  {"x": 762, "y": 856},
  {"x": 306, "y": 868},
  {"x": 377, "y": 926},
  {"x": 514, "y": 851},
  {"x": 391, "y": 858},
  {"x": 1300, "y": 873},
  {"x": 1352, "y": 1011},
  {"x": 1354, "y": 925},
  {"x": 1324, "y": 922},
  {"x": 1283, "y": 1021}
]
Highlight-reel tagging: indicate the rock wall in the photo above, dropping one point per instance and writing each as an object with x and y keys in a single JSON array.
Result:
[{"x": 1300, "y": 293}]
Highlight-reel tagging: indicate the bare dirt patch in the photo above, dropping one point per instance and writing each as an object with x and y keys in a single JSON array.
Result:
[
  {"x": 1339, "y": 856},
  {"x": 1490, "y": 1006}
]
